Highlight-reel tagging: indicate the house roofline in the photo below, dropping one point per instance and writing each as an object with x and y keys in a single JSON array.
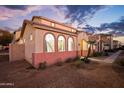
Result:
[
  {"x": 34, "y": 23},
  {"x": 41, "y": 17}
]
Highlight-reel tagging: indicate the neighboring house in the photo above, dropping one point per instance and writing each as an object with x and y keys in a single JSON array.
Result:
[
  {"x": 119, "y": 38},
  {"x": 103, "y": 41},
  {"x": 116, "y": 44},
  {"x": 82, "y": 43},
  {"x": 45, "y": 40},
  {"x": 95, "y": 38},
  {"x": 106, "y": 41},
  {"x": 16, "y": 36}
]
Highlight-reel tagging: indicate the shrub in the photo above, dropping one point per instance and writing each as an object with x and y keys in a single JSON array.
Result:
[
  {"x": 96, "y": 54},
  {"x": 76, "y": 58},
  {"x": 69, "y": 60},
  {"x": 59, "y": 63},
  {"x": 105, "y": 54},
  {"x": 42, "y": 65},
  {"x": 86, "y": 60},
  {"x": 121, "y": 62},
  {"x": 111, "y": 50},
  {"x": 78, "y": 63}
]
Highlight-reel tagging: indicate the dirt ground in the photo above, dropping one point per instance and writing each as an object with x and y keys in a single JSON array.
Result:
[{"x": 93, "y": 75}]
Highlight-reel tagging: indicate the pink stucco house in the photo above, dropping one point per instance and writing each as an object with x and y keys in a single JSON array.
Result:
[{"x": 43, "y": 39}]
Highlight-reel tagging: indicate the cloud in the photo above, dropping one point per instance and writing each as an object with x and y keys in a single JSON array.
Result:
[
  {"x": 56, "y": 14},
  {"x": 70, "y": 14},
  {"x": 10, "y": 11},
  {"x": 79, "y": 13},
  {"x": 19, "y": 7},
  {"x": 90, "y": 29},
  {"x": 76, "y": 15},
  {"x": 106, "y": 31},
  {"x": 117, "y": 27},
  {"x": 12, "y": 16}
]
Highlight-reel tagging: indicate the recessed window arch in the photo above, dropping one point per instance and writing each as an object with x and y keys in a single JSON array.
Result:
[
  {"x": 49, "y": 43},
  {"x": 70, "y": 44},
  {"x": 61, "y": 43}
]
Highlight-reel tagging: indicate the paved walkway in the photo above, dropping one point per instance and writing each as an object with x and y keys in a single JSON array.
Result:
[
  {"x": 113, "y": 57},
  {"x": 95, "y": 59},
  {"x": 109, "y": 59}
]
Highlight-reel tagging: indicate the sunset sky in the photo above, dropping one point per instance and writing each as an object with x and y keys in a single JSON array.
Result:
[{"x": 92, "y": 18}]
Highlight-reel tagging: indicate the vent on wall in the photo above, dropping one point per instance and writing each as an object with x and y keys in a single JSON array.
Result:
[
  {"x": 53, "y": 24},
  {"x": 31, "y": 37}
]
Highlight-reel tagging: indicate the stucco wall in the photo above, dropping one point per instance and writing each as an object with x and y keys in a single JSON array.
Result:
[
  {"x": 56, "y": 25},
  {"x": 63, "y": 27},
  {"x": 82, "y": 36},
  {"x": 29, "y": 44},
  {"x": 16, "y": 52},
  {"x": 36, "y": 20},
  {"x": 35, "y": 49},
  {"x": 46, "y": 22},
  {"x": 39, "y": 40},
  {"x": 17, "y": 35},
  {"x": 40, "y": 55},
  {"x": 53, "y": 57}
]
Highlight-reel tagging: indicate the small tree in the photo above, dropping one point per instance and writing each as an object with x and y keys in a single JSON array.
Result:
[
  {"x": 91, "y": 43},
  {"x": 5, "y": 39}
]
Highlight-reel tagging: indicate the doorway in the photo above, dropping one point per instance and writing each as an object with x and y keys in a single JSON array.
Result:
[{"x": 83, "y": 47}]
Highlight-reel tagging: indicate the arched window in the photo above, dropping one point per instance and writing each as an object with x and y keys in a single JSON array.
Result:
[
  {"x": 49, "y": 43},
  {"x": 61, "y": 43},
  {"x": 70, "y": 44}
]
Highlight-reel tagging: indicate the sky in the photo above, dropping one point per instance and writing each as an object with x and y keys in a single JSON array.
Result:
[{"x": 92, "y": 18}]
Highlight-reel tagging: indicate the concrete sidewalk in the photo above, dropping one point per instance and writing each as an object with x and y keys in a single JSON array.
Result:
[
  {"x": 112, "y": 58},
  {"x": 109, "y": 59},
  {"x": 95, "y": 59}
]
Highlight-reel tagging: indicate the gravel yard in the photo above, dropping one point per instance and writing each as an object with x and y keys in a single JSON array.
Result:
[{"x": 21, "y": 74}]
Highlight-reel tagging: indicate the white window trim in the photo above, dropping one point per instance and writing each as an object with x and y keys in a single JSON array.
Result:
[
  {"x": 48, "y": 43},
  {"x": 72, "y": 46},
  {"x": 58, "y": 44}
]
